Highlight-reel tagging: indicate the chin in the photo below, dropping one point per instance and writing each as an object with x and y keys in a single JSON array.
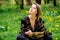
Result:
[{"x": 30, "y": 12}]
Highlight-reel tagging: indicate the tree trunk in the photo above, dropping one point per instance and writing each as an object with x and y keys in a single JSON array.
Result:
[
  {"x": 47, "y": 1},
  {"x": 12, "y": 2},
  {"x": 44, "y": 1},
  {"x": 54, "y": 2},
  {"x": 28, "y": 2},
  {"x": 17, "y": 2},
  {"x": 38, "y": 1},
  {"x": 20, "y": 3}
]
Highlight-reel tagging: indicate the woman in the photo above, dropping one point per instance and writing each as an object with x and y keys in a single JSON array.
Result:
[{"x": 33, "y": 23}]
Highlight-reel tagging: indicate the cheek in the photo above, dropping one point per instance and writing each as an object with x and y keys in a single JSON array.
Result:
[{"x": 34, "y": 11}]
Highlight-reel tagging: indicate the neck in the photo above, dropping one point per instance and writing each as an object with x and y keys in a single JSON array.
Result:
[{"x": 33, "y": 17}]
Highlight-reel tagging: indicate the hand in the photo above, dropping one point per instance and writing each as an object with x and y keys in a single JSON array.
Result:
[{"x": 28, "y": 32}]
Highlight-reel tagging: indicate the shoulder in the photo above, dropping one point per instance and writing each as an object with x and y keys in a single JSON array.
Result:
[
  {"x": 24, "y": 19},
  {"x": 41, "y": 20}
]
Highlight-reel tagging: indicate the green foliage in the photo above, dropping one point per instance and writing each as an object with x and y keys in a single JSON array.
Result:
[{"x": 10, "y": 17}]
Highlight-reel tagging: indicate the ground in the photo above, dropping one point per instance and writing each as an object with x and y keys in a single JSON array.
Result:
[{"x": 10, "y": 17}]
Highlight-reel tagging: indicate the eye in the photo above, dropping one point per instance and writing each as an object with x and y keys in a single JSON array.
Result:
[{"x": 34, "y": 8}]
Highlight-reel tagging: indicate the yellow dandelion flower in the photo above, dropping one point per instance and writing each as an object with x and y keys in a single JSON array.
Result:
[
  {"x": 58, "y": 16},
  {"x": 43, "y": 16},
  {"x": 56, "y": 25},
  {"x": 49, "y": 30},
  {"x": 56, "y": 28},
  {"x": 46, "y": 12},
  {"x": 46, "y": 23},
  {"x": 8, "y": 27},
  {"x": 52, "y": 28},
  {"x": 15, "y": 31},
  {"x": 47, "y": 17},
  {"x": 26, "y": 12},
  {"x": 56, "y": 38},
  {"x": 16, "y": 16},
  {"x": 55, "y": 11},
  {"x": 50, "y": 19}
]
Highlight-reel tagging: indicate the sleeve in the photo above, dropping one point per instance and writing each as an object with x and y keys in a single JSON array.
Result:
[
  {"x": 24, "y": 26},
  {"x": 42, "y": 28},
  {"x": 41, "y": 25}
]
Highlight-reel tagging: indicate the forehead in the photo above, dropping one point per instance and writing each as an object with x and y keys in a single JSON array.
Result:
[{"x": 33, "y": 5}]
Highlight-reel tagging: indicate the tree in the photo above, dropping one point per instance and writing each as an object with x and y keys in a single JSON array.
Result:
[
  {"x": 17, "y": 2},
  {"x": 42, "y": 2},
  {"x": 47, "y": 1},
  {"x": 20, "y": 3},
  {"x": 1, "y": 2},
  {"x": 28, "y": 2},
  {"x": 54, "y": 2},
  {"x": 38, "y": 1}
]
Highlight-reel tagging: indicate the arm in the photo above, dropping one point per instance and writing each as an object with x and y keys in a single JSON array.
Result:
[
  {"x": 41, "y": 29},
  {"x": 41, "y": 26},
  {"x": 24, "y": 27}
]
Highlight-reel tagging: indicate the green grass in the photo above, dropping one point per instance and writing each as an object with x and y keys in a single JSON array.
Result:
[{"x": 10, "y": 17}]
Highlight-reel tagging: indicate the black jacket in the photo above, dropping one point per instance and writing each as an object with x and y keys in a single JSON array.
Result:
[{"x": 25, "y": 25}]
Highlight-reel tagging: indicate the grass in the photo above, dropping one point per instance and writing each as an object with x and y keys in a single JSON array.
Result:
[{"x": 10, "y": 17}]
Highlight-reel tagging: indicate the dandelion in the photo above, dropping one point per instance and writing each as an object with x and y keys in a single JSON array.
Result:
[
  {"x": 52, "y": 28},
  {"x": 16, "y": 16},
  {"x": 15, "y": 31},
  {"x": 58, "y": 16},
  {"x": 8, "y": 27},
  {"x": 47, "y": 17},
  {"x": 26, "y": 12},
  {"x": 56, "y": 28},
  {"x": 43, "y": 16},
  {"x": 46, "y": 23},
  {"x": 50, "y": 19},
  {"x": 55, "y": 11},
  {"x": 56, "y": 38},
  {"x": 56, "y": 25},
  {"x": 49, "y": 29},
  {"x": 46, "y": 12}
]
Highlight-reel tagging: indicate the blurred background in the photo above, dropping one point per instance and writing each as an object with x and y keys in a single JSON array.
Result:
[{"x": 12, "y": 11}]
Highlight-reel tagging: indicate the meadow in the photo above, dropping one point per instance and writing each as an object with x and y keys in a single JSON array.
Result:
[{"x": 10, "y": 20}]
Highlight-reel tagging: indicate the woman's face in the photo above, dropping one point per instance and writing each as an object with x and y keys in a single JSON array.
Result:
[{"x": 33, "y": 10}]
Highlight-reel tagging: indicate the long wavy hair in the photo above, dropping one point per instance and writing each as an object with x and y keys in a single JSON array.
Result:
[{"x": 39, "y": 11}]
